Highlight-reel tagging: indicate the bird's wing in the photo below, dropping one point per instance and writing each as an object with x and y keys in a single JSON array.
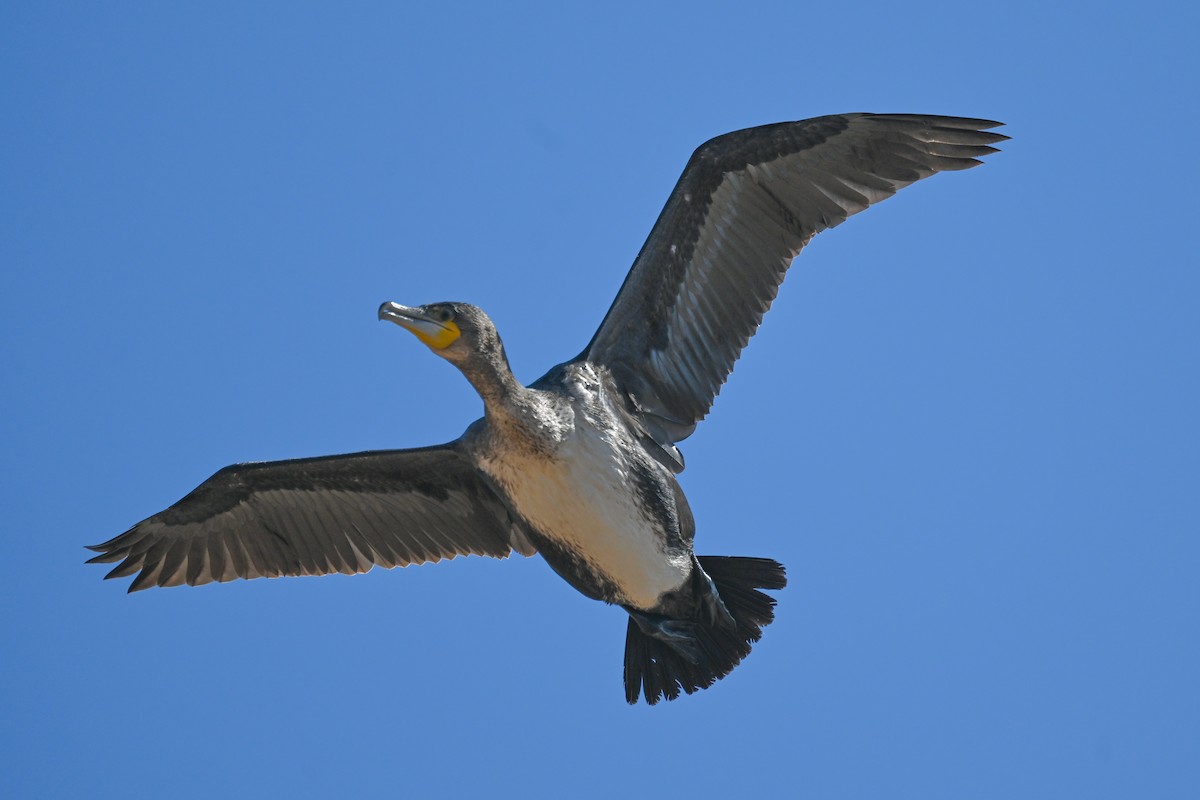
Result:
[
  {"x": 746, "y": 204},
  {"x": 316, "y": 516}
]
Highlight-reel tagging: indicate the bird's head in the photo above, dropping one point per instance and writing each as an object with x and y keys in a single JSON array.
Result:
[{"x": 458, "y": 332}]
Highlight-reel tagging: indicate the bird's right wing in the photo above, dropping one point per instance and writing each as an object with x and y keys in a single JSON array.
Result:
[
  {"x": 315, "y": 516},
  {"x": 746, "y": 204}
]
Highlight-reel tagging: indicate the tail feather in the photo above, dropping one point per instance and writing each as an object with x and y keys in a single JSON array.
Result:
[{"x": 656, "y": 669}]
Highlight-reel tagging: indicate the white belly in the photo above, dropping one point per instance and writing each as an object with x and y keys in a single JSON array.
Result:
[{"x": 583, "y": 497}]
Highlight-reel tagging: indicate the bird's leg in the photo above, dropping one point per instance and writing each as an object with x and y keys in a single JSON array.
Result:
[
  {"x": 711, "y": 605},
  {"x": 683, "y": 634},
  {"x": 678, "y": 633}
]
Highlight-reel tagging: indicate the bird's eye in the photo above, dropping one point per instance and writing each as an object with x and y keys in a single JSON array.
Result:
[{"x": 444, "y": 315}]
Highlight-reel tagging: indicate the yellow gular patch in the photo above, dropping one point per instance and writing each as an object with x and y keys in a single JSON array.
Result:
[{"x": 442, "y": 338}]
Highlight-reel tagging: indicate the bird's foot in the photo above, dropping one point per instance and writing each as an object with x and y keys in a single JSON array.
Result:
[
  {"x": 713, "y": 607},
  {"x": 679, "y": 634}
]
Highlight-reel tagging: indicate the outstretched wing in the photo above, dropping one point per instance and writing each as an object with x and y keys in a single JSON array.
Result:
[
  {"x": 315, "y": 516},
  {"x": 746, "y": 204}
]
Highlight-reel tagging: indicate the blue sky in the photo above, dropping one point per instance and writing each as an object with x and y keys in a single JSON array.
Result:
[{"x": 968, "y": 427}]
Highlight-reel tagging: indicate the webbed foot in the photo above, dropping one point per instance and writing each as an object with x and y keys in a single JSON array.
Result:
[
  {"x": 713, "y": 607},
  {"x": 680, "y": 634}
]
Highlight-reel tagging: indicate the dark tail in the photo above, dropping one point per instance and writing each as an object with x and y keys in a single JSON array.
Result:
[{"x": 661, "y": 671}]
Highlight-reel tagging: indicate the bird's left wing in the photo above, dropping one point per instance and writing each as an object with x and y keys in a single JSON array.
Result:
[
  {"x": 315, "y": 516},
  {"x": 746, "y": 204}
]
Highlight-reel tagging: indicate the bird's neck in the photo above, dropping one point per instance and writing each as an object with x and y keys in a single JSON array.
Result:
[
  {"x": 498, "y": 390},
  {"x": 503, "y": 395},
  {"x": 518, "y": 416}
]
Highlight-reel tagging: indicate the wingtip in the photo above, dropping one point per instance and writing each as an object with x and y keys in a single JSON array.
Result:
[
  {"x": 144, "y": 580},
  {"x": 984, "y": 124},
  {"x": 969, "y": 123},
  {"x": 122, "y": 570}
]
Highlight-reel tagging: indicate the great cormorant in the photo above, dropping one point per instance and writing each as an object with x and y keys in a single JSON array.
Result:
[{"x": 580, "y": 466}]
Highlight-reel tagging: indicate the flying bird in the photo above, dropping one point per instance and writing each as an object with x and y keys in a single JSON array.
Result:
[{"x": 580, "y": 466}]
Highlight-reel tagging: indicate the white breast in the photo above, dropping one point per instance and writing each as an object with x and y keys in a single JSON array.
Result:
[{"x": 583, "y": 497}]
